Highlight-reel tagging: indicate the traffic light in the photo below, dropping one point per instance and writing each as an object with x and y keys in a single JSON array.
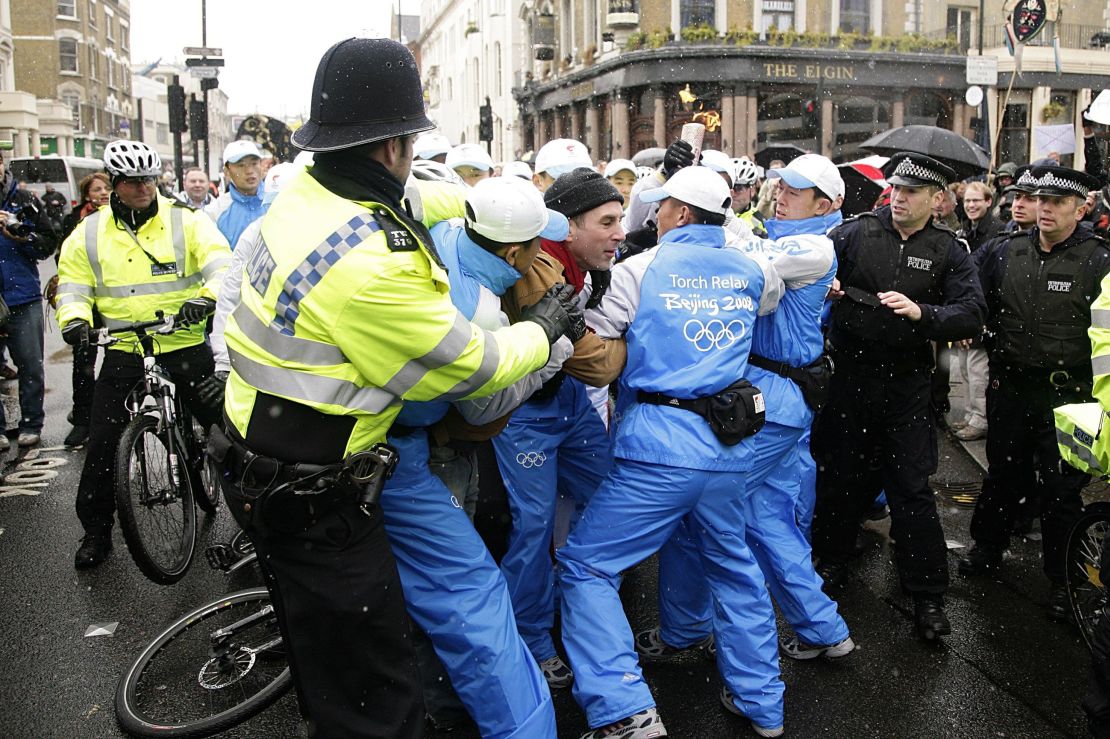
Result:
[
  {"x": 198, "y": 119},
  {"x": 175, "y": 96},
  {"x": 485, "y": 122},
  {"x": 811, "y": 117}
]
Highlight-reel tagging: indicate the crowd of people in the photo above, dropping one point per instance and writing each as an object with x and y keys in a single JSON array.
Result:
[{"x": 632, "y": 360}]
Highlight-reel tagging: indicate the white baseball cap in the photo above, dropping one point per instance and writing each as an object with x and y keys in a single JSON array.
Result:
[
  {"x": 278, "y": 178},
  {"x": 620, "y": 165},
  {"x": 428, "y": 145},
  {"x": 811, "y": 170},
  {"x": 559, "y": 156},
  {"x": 698, "y": 186},
  {"x": 237, "y": 150},
  {"x": 717, "y": 161},
  {"x": 510, "y": 210},
  {"x": 516, "y": 169},
  {"x": 469, "y": 155}
]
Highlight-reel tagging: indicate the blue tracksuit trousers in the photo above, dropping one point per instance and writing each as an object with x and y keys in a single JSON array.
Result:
[
  {"x": 558, "y": 447},
  {"x": 456, "y": 594},
  {"x": 632, "y": 514},
  {"x": 783, "y": 553}
]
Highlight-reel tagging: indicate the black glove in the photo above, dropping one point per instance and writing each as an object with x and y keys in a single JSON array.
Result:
[
  {"x": 550, "y": 314},
  {"x": 637, "y": 241},
  {"x": 565, "y": 293},
  {"x": 599, "y": 284},
  {"x": 196, "y": 310},
  {"x": 76, "y": 333},
  {"x": 210, "y": 390},
  {"x": 679, "y": 154}
]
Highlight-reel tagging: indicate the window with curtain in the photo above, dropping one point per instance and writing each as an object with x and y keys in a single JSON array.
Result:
[{"x": 696, "y": 12}]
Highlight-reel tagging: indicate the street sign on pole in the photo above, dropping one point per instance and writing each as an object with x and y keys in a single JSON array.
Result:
[
  {"x": 206, "y": 62},
  {"x": 982, "y": 70},
  {"x": 202, "y": 51},
  {"x": 204, "y": 72}
]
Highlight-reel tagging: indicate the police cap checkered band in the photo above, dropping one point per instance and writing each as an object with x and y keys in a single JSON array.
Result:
[
  {"x": 1062, "y": 181},
  {"x": 1025, "y": 180},
  {"x": 910, "y": 168}
]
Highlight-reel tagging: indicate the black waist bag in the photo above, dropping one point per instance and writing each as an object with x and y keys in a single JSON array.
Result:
[
  {"x": 733, "y": 414},
  {"x": 813, "y": 379}
]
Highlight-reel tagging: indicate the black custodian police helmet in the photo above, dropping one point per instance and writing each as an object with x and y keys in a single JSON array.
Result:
[{"x": 365, "y": 90}]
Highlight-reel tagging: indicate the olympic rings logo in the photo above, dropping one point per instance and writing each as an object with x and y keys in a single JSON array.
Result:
[
  {"x": 713, "y": 334},
  {"x": 528, "y": 460}
]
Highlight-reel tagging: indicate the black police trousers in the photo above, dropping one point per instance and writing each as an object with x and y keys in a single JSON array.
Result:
[
  {"x": 1096, "y": 703},
  {"x": 1024, "y": 461},
  {"x": 119, "y": 373},
  {"x": 877, "y": 433},
  {"x": 339, "y": 604}
]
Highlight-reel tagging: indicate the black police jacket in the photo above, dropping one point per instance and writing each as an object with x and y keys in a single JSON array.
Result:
[
  {"x": 1039, "y": 303},
  {"x": 932, "y": 268}
]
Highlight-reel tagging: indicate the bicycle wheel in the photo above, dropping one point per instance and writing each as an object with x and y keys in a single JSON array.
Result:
[
  {"x": 1086, "y": 590},
  {"x": 190, "y": 683},
  {"x": 203, "y": 472},
  {"x": 156, "y": 513}
]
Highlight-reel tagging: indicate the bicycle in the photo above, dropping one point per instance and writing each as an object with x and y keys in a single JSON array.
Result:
[
  {"x": 213, "y": 668},
  {"x": 1086, "y": 589},
  {"x": 161, "y": 468}
]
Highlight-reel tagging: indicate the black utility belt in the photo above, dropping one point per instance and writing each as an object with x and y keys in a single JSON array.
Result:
[
  {"x": 733, "y": 414},
  {"x": 1060, "y": 378},
  {"x": 813, "y": 379},
  {"x": 287, "y": 496}
]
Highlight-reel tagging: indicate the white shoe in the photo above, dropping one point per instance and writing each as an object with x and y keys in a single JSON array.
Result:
[
  {"x": 28, "y": 438},
  {"x": 797, "y": 649},
  {"x": 557, "y": 673},
  {"x": 726, "y": 700},
  {"x": 643, "y": 725},
  {"x": 5, "y": 443}
]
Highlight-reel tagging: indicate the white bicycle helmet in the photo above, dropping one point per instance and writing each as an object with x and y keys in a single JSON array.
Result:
[
  {"x": 745, "y": 172},
  {"x": 432, "y": 171},
  {"x": 125, "y": 158}
]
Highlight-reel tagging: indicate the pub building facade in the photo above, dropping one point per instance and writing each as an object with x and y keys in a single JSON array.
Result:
[{"x": 820, "y": 91}]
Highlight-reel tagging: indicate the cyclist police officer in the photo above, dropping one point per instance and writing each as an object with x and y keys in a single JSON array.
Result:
[
  {"x": 905, "y": 282},
  {"x": 345, "y": 312},
  {"x": 139, "y": 254}
]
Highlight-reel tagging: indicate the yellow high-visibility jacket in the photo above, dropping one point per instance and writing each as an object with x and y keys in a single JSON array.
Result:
[
  {"x": 103, "y": 264},
  {"x": 1100, "y": 344},
  {"x": 343, "y": 310}
]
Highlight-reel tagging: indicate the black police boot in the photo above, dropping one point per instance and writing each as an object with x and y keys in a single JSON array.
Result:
[
  {"x": 93, "y": 550},
  {"x": 833, "y": 573},
  {"x": 928, "y": 616},
  {"x": 1059, "y": 608},
  {"x": 980, "y": 561},
  {"x": 78, "y": 435}
]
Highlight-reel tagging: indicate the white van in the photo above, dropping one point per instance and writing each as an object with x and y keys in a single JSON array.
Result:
[{"x": 64, "y": 173}]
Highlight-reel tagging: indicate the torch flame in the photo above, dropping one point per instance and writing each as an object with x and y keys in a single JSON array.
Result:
[{"x": 711, "y": 119}]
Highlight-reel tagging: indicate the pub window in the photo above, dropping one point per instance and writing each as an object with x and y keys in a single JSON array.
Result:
[
  {"x": 778, "y": 14},
  {"x": 855, "y": 16},
  {"x": 697, "y": 12}
]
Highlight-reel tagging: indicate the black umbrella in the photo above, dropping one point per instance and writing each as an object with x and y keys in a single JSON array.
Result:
[
  {"x": 961, "y": 154},
  {"x": 786, "y": 152},
  {"x": 650, "y": 157}
]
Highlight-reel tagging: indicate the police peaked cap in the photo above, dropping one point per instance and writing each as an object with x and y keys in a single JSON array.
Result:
[
  {"x": 910, "y": 169},
  {"x": 1024, "y": 180},
  {"x": 366, "y": 89},
  {"x": 1053, "y": 180}
]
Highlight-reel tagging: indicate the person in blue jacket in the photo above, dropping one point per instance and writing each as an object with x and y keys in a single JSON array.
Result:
[
  {"x": 787, "y": 353},
  {"x": 243, "y": 203},
  {"x": 453, "y": 589},
  {"x": 686, "y": 309}
]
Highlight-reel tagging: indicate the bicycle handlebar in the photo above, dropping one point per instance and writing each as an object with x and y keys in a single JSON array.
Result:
[{"x": 163, "y": 324}]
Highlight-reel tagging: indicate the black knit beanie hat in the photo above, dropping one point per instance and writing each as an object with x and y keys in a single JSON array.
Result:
[{"x": 580, "y": 190}]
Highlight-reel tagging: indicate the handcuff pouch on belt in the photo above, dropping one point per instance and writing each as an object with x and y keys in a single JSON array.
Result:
[
  {"x": 286, "y": 497},
  {"x": 813, "y": 379},
  {"x": 733, "y": 414}
]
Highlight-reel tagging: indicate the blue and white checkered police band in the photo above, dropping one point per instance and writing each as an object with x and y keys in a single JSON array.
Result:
[
  {"x": 1052, "y": 181},
  {"x": 910, "y": 168}
]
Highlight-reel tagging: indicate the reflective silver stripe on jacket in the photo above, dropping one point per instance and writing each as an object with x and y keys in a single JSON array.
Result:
[
  {"x": 1100, "y": 365},
  {"x": 213, "y": 268},
  {"x": 310, "y": 388},
  {"x": 449, "y": 348},
  {"x": 177, "y": 229},
  {"x": 491, "y": 357},
  {"x": 73, "y": 292},
  {"x": 1100, "y": 318},
  {"x": 1067, "y": 441},
  {"x": 283, "y": 346}
]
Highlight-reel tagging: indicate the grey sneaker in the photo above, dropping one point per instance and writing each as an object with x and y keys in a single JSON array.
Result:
[
  {"x": 557, "y": 673},
  {"x": 797, "y": 649},
  {"x": 643, "y": 725},
  {"x": 28, "y": 438},
  {"x": 650, "y": 645},
  {"x": 726, "y": 701}
]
